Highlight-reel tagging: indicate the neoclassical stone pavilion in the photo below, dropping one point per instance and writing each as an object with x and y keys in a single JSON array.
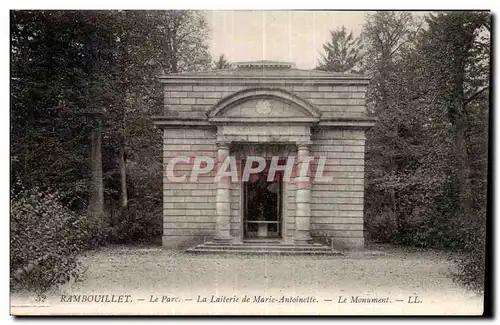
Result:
[{"x": 265, "y": 109}]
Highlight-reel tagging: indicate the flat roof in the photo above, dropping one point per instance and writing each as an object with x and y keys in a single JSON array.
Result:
[{"x": 263, "y": 69}]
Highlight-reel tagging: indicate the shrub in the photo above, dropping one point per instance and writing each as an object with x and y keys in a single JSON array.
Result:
[
  {"x": 46, "y": 239},
  {"x": 142, "y": 222},
  {"x": 380, "y": 226},
  {"x": 471, "y": 264},
  {"x": 471, "y": 269}
]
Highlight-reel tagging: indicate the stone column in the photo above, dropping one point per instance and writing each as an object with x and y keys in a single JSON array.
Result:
[
  {"x": 303, "y": 196},
  {"x": 223, "y": 208}
]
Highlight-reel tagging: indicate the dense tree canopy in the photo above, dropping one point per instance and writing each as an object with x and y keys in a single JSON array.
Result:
[
  {"x": 427, "y": 154},
  {"x": 67, "y": 64}
]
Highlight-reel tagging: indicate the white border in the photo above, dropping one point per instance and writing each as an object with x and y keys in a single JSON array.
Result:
[{"x": 186, "y": 4}]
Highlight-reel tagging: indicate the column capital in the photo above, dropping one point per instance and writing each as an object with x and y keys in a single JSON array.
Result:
[
  {"x": 223, "y": 144},
  {"x": 304, "y": 145}
]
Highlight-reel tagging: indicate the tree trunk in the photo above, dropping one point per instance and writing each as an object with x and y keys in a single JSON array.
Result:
[
  {"x": 96, "y": 205},
  {"x": 124, "y": 57},
  {"x": 460, "y": 123},
  {"x": 123, "y": 177},
  {"x": 462, "y": 169}
]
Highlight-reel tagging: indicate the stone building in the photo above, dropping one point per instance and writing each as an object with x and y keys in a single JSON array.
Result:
[{"x": 265, "y": 109}]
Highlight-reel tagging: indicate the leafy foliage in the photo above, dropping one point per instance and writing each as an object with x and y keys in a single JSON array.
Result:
[
  {"x": 460, "y": 41},
  {"x": 221, "y": 63},
  {"x": 343, "y": 53},
  {"x": 67, "y": 64},
  {"x": 427, "y": 154},
  {"x": 46, "y": 239}
]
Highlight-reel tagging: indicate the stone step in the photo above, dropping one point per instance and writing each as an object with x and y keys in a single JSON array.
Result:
[
  {"x": 246, "y": 243},
  {"x": 263, "y": 248},
  {"x": 267, "y": 251},
  {"x": 266, "y": 239},
  {"x": 205, "y": 249},
  {"x": 263, "y": 245}
]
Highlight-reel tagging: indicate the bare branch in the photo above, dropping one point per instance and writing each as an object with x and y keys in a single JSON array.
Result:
[{"x": 471, "y": 98}]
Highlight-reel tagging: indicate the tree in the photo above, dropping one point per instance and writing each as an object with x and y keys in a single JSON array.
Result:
[
  {"x": 184, "y": 43},
  {"x": 426, "y": 156},
  {"x": 343, "y": 53},
  {"x": 387, "y": 35},
  {"x": 396, "y": 145},
  {"x": 96, "y": 201},
  {"x": 58, "y": 60},
  {"x": 68, "y": 63},
  {"x": 461, "y": 76},
  {"x": 457, "y": 51},
  {"x": 221, "y": 63}
]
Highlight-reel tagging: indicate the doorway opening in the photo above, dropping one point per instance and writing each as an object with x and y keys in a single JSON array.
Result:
[{"x": 262, "y": 206}]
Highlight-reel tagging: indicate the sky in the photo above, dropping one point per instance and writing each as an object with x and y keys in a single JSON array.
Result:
[{"x": 291, "y": 36}]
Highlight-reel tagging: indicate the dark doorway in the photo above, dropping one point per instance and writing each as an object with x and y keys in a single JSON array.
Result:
[{"x": 262, "y": 202}]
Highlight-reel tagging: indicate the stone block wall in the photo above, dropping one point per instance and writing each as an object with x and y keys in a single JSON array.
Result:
[
  {"x": 188, "y": 208},
  {"x": 193, "y": 101},
  {"x": 337, "y": 206}
]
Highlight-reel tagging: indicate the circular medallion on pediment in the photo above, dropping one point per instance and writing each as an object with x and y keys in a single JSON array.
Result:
[{"x": 263, "y": 107}]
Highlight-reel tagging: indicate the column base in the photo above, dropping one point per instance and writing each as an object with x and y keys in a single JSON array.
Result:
[
  {"x": 303, "y": 240},
  {"x": 223, "y": 239}
]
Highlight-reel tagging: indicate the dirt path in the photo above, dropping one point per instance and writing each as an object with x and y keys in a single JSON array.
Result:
[{"x": 382, "y": 273}]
